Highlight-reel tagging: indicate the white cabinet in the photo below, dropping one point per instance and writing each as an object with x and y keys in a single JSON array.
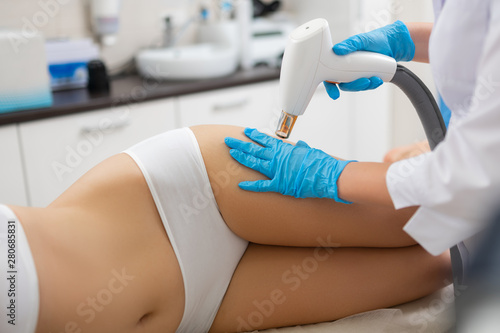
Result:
[
  {"x": 247, "y": 106},
  {"x": 12, "y": 185},
  {"x": 57, "y": 151}
]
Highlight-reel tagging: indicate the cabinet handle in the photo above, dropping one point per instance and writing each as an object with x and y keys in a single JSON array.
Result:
[
  {"x": 110, "y": 126},
  {"x": 231, "y": 104}
]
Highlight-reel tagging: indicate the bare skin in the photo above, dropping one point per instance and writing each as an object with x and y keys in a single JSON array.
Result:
[
  {"x": 420, "y": 33},
  {"x": 408, "y": 151},
  {"x": 105, "y": 263}
]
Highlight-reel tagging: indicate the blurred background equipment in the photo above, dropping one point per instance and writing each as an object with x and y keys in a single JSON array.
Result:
[
  {"x": 478, "y": 307},
  {"x": 68, "y": 60},
  {"x": 24, "y": 82},
  {"x": 98, "y": 81},
  {"x": 261, "y": 9}
]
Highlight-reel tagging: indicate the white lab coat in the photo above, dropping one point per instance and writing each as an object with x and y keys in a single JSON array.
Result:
[{"x": 457, "y": 186}]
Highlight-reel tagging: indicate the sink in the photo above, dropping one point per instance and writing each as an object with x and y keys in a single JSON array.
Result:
[
  {"x": 198, "y": 61},
  {"x": 215, "y": 54}
]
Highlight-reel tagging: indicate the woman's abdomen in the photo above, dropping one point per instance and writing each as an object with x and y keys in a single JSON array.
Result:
[{"x": 104, "y": 261}]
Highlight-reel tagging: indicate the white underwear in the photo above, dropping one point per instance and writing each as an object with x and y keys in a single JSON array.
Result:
[
  {"x": 207, "y": 250},
  {"x": 18, "y": 279}
]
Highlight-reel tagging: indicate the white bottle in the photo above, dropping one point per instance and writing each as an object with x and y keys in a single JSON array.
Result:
[
  {"x": 105, "y": 19},
  {"x": 244, "y": 16}
]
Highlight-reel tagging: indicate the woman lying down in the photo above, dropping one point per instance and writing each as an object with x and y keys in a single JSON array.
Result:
[{"x": 160, "y": 238}]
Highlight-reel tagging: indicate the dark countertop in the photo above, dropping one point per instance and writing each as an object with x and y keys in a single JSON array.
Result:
[{"x": 134, "y": 89}]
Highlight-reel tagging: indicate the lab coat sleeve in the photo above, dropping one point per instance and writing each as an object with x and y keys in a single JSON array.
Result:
[{"x": 457, "y": 185}]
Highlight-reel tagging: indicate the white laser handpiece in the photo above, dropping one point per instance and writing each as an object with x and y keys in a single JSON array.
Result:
[{"x": 309, "y": 60}]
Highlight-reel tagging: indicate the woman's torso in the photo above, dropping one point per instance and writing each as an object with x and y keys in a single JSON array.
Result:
[{"x": 103, "y": 258}]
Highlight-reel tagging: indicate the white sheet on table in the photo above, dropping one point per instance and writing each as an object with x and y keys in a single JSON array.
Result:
[{"x": 433, "y": 313}]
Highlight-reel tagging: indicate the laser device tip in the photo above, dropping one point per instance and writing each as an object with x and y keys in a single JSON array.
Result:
[{"x": 285, "y": 125}]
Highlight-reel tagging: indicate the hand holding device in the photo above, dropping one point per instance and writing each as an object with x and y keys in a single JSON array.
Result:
[
  {"x": 308, "y": 61},
  {"x": 392, "y": 40}
]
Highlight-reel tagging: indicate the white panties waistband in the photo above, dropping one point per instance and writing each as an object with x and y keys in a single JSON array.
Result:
[{"x": 19, "y": 293}]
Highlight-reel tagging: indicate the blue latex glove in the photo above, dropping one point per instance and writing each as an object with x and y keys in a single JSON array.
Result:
[
  {"x": 299, "y": 171},
  {"x": 393, "y": 40}
]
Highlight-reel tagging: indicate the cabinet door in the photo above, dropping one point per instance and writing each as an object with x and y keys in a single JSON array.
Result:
[
  {"x": 12, "y": 186},
  {"x": 247, "y": 106},
  {"x": 59, "y": 150}
]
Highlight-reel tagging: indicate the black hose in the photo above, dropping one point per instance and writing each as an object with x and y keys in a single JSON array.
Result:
[
  {"x": 435, "y": 130},
  {"x": 423, "y": 101}
]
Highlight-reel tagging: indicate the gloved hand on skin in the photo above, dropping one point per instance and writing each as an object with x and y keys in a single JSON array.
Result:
[
  {"x": 299, "y": 171},
  {"x": 393, "y": 40}
]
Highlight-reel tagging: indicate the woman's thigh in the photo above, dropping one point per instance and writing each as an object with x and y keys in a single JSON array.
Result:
[
  {"x": 277, "y": 286},
  {"x": 274, "y": 219}
]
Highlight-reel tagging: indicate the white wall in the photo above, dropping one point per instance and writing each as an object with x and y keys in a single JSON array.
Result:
[{"x": 337, "y": 12}]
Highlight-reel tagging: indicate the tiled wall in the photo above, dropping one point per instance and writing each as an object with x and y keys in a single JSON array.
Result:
[
  {"x": 63, "y": 20},
  {"x": 141, "y": 24}
]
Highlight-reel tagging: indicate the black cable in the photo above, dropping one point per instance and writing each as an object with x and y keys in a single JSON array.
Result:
[
  {"x": 435, "y": 130},
  {"x": 424, "y": 102}
]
